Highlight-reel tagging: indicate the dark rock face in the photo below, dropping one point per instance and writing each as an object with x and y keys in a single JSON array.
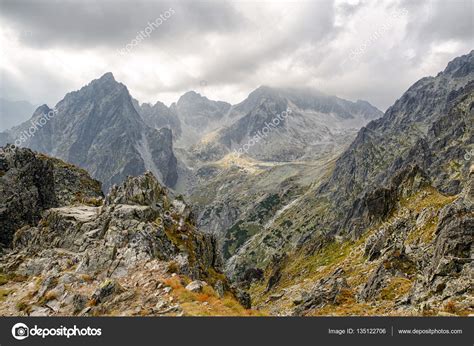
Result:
[
  {"x": 276, "y": 265},
  {"x": 107, "y": 289},
  {"x": 326, "y": 291},
  {"x": 31, "y": 183},
  {"x": 376, "y": 205},
  {"x": 99, "y": 129},
  {"x": 451, "y": 265},
  {"x": 244, "y": 298}
]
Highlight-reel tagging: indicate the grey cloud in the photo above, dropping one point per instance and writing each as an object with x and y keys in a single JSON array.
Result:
[
  {"x": 439, "y": 20},
  {"x": 86, "y": 24},
  {"x": 239, "y": 45}
]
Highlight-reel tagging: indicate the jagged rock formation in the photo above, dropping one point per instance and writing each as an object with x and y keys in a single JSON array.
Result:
[
  {"x": 158, "y": 116},
  {"x": 190, "y": 118},
  {"x": 417, "y": 261},
  {"x": 384, "y": 228},
  {"x": 31, "y": 183},
  {"x": 430, "y": 127},
  {"x": 90, "y": 260},
  {"x": 98, "y": 128}
]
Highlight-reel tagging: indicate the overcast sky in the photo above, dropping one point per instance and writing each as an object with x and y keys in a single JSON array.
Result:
[{"x": 371, "y": 50}]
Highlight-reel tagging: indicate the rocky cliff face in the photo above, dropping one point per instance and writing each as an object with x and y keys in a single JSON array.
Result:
[
  {"x": 88, "y": 260},
  {"x": 430, "y": 125},
  {"x": 307, "y": 224},
  {"x": 417, "y": 261},
  {"x": 31, "y": 183},
  {"x": 98, "y": 128}
]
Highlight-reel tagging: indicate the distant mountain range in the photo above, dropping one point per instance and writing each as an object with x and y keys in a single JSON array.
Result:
[
  {"x": 316, "y": 122},
  {"x": 104, "y": 130},
  {"x": 13, "y": 113}
]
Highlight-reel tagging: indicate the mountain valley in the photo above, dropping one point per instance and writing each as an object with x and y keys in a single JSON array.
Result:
[{"x": 291, "y": 202}]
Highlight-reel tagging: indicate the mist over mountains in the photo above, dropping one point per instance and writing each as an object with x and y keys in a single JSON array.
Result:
[{"x": 14, "y": 113}]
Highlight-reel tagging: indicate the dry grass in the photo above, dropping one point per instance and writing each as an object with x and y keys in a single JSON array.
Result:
[
  {"x": 396, "y": 288},
  {"x": 5, "y": 278},
  {"x": 205, "y": 303},
  {"x": 4, "y": 293},
  {"x": 87, "y": 278}
]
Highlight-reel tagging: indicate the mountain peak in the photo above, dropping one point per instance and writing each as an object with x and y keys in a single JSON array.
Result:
[
  {"x": 107, "y": 77},
  {"x": 461, "y": 66},
  {"x": 107, "y": 80},
  {"x": 43, "y": 109},
  {"x": 191, "y": 96}
]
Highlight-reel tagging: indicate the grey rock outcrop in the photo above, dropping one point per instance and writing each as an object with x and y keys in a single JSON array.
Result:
[{"x": 31, "y": 183}]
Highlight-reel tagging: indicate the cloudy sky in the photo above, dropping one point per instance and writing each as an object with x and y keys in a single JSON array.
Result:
[{"x": 357, "y": 49}]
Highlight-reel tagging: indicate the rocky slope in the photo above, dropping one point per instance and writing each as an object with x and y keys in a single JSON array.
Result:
[
  {"x": 419, "y": 150},
  {"x": 308, "y": 224},
  {"x": 98, "y": 128},
  {"x": 135, "y": 253},
  {"x": 430, "y": 125},
  {"x": 417, "y": 262}
]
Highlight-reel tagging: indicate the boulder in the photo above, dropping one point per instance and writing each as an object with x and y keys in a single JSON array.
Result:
[{"x": 195, "y": 286}]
